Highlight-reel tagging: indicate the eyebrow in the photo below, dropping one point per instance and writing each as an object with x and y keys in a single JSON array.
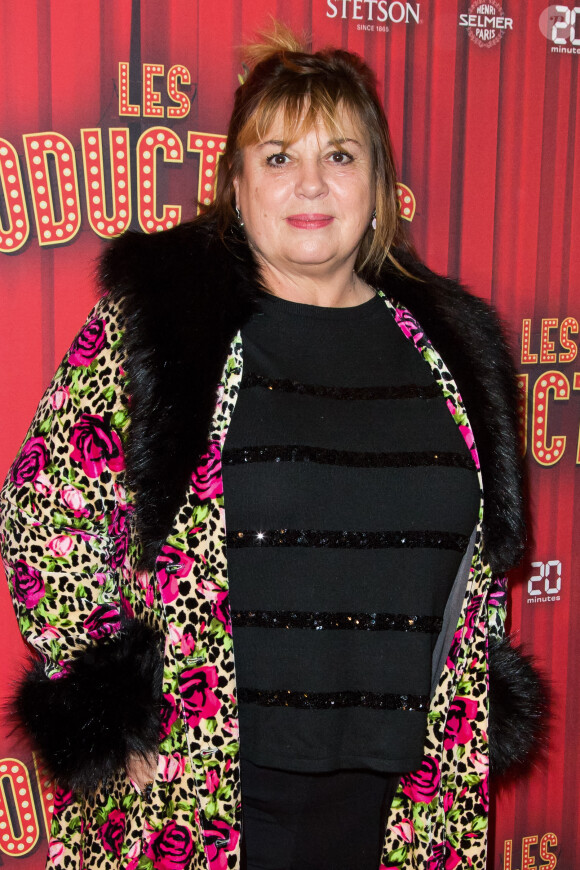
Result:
[{"x": 279, "y": 143}]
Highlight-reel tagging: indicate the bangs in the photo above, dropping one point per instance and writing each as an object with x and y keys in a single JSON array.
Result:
[
  {"x": 299, "y": 113},
  {"x": 289, "y": 92}
]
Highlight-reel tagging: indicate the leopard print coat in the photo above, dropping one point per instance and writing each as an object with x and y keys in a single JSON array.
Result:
[{"x": 113, "y": 541}]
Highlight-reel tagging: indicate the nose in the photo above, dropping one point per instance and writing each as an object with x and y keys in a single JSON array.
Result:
[{"x": 311, "y": 182}]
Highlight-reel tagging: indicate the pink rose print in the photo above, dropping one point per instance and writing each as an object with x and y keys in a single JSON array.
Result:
[
  {"x": 232, "y": 726},
  {"x": 28, "y": 584},
  {"x": 171, "y": 766},
  {"x": 88, "y": 343},
  {"x": 30, "y": 462},
  {"x": 219, "y": 598},
  {"x": 62, "y": 799},
  {"x": 466, "y": 433},
  {"x": 171, "y": 564},
  {"x": 199, "y": 702},
  {"x": 444, "y": 857},
  {"x": 144, "y": 581},
  {"x": 212, "y": 780},
  {"x": 171, "y": 848},
  {"x": 84, "y": 536},
  {"x": 103, "y": 620},
  {"x": 64, "y": 668},
  {"x": 498, "y": 592},
  {"x": 96, "y": 446},
  {"x": 61, "y": 545},
  {"x": 112, "y": 833},
  {"x": 42, "y": 484},
  {"x": 59, "y": 398},
  {"x": 175, "y": 633},
  {"x": 220, "y": 838},
  {"x": 457, "y": 728},
  {"x": 183, "y": 639},
  {"x": 120, "y": 494},
  {"x": 469, "y": 440},
  {"x": 453, "y": 653},
  {"x": 408, "y": 325},
  {"x": 187, "y": 643},
  {"x": 483, "y": 793},
  {"x": 480, "y": 762},
  {"x": 448, "y": 799},
  {"x": 207, "y": 478},
  {"x": 472, "y": 611},
  {"x": 405, "y": 830},
  {"x": 74, "y": 500},
  {"x": 119, "y": 533},
  {"x": 133, "y": 856},
  {"x": 56, "y": 852},
  {"x": 142, "y": 578},
  {"x": 126, "y": 606},
  {"x": 48, "y": 633},
  {"x": 168, "y": 716},
  {"x": 421, "y": 785}
]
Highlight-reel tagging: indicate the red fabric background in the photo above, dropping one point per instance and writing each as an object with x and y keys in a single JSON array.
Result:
[{"x": 486, "y": 137}]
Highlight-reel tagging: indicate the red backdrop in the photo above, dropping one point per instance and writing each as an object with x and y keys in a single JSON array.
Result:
[{"x": 483, "y": 103}]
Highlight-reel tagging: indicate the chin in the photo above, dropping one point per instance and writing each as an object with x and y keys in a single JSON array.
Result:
[
  {"x": 311, "y": 258},
  {"x": 309, "y": 264}
]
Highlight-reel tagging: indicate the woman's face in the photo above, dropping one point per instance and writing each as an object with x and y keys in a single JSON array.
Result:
[{"x": 306, "y": 208}]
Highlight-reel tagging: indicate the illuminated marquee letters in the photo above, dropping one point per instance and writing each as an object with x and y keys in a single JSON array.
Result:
[
  {"x": 56, "y": 205},
  {"x": 16, "y": 798},
  {"x": 528, "y": 858},
  {"x": 152, "y": 107},
  {"x": 151, "y": 141},
  {"x": 14, "y": 236},
  {"x": 112, "y": 176},
  {"x": 114, "y": 220},
  {"x": 551, "y": 386}
]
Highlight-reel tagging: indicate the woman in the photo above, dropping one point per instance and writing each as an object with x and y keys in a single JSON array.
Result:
[{"x": 258, "y": 386}]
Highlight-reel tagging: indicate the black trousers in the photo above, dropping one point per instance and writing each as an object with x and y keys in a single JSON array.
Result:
[{"x": 314, "y": 821}]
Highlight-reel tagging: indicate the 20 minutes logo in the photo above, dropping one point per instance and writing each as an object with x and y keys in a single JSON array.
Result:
[
  {"x": 560, "y": 25},
  {"x": 545, "y": 584}
]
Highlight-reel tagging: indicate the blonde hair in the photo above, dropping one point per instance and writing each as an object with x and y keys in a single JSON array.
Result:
[{"x": 306, "y": 87}]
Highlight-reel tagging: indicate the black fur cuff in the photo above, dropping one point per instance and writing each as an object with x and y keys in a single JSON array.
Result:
[
  {"x": 518, "y": 708},
  {"x": 107, "y": 707}
]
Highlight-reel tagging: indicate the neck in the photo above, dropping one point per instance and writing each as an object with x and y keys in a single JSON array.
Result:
[{"x": 341, "y": 289}]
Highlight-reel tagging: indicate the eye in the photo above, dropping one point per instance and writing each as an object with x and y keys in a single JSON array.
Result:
[
  {"x": 279, "y": 159},
  {"x": 341, "y": 158}
]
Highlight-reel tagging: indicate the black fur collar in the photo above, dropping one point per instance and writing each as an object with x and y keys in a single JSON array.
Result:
[{"x": 185, "y": 294}]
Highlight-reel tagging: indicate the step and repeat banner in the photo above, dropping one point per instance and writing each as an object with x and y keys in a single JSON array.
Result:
[{"x": 113, "y": 115}]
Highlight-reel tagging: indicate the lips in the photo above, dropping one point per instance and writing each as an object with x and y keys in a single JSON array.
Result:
[{"x": 309, "y": 221}]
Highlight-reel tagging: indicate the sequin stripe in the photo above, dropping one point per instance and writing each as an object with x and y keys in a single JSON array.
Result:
[
  {"x": 321, "y": 620},
  {"x": 352, "y": 458},
  {"x": 401, "y": 391},
  {"x": 346, "y": 540},
  {"x": 333, "y": 700}
]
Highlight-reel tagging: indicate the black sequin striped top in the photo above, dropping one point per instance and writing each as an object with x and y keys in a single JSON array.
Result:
[{"x": 350, "y": 497}]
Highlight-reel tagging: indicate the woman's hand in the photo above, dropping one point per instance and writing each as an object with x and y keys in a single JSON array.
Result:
[{"x": 142, "y": 769}]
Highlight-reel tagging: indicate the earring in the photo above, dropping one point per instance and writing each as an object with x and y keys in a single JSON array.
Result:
[
  {"x": 239, "y": 214},
  {"x": 374, "y": 220}
]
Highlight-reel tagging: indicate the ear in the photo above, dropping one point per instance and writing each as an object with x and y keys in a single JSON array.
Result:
[{"x": 236, "y": 185}]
